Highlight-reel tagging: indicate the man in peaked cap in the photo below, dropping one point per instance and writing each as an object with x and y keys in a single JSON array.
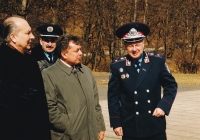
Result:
[
  {"x": 136, "y": 108},
  {"x": 44, "y": 52}
]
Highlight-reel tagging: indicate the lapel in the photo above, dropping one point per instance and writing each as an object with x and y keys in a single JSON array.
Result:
[
  {"x": 46, "y": 58},
  {"x": 145, "y": 66},
  {"x": 63, "y": 67},
  {"x": 55, "y": 58}
]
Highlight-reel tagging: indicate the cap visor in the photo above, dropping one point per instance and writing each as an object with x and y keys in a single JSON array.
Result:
[
  {"x": 49, "y": 35},
  {"x": 133, "y": 39}
]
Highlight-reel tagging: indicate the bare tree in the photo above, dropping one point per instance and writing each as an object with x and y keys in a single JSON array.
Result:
[{"x": 174, "y": 26}]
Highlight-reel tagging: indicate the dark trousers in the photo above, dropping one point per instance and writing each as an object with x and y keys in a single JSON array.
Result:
[{"x": 161, "y": 136}]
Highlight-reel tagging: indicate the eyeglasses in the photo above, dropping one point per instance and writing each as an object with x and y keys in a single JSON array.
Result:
[{"x": 49, "y": 39}]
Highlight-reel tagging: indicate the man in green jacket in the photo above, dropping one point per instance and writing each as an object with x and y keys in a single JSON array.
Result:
[{"x": 72, "y": 95}]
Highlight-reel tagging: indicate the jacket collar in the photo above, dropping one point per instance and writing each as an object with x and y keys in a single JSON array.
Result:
[
  {"x": 145, "y": 66},
  {"x": 67, "y": 69}
]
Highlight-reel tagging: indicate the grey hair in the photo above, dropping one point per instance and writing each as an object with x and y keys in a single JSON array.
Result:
[{"x": 9, "y": 27}]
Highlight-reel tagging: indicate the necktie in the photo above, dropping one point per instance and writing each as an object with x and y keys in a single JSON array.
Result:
[
  {"x": 74, "y": 71},
  {"x": 137, "y": 66}
]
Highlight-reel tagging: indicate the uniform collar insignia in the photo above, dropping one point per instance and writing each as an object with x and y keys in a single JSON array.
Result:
[
  {"x": 146, "y": 59},
  {"x": 128, "y": 62}
]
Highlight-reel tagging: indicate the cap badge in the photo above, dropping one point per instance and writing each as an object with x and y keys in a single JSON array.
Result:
[
  {"x": 133, "y": 32},
  {"x": 50, "y": 29}
]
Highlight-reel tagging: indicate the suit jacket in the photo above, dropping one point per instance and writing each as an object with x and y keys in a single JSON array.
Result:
[
  {"x": 74, "y": 109},
  {"x": 41, "y": 58},
  {"x": 23, "y": 105},
  {"x": 133, "y": 96}
]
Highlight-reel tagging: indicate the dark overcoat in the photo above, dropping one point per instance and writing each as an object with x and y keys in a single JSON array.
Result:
[
  {"x": 41, "y": 58},
  {"x": 23, "y": 105},
  {"x": 133, "y": 96}
]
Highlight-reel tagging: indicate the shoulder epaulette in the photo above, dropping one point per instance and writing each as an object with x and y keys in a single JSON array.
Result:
[
  {"x": 119, "y": 60},
  {"x": 155, "y": 55}
]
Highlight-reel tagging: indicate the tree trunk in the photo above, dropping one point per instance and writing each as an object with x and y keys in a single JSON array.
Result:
[
  {"x": 145, "y": 11},
  {"x": 23, "y": 9},
  {"x": 54, "y": 11},
  {"x": 135, "y": 11}
]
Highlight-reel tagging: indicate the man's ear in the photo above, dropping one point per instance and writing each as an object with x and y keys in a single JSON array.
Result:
[
  {"x": 13, "y": 38},
  {"x": 41, "y": 41},
  {"x": 64, "y": 54}
]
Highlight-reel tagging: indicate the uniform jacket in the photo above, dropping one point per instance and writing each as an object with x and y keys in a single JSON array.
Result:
[
  {"x": 41, "y": 58},
  {"x": 23, "y": 105},
  {"x": 133, "y": 96},
  {"x": 74, "y": 109}
]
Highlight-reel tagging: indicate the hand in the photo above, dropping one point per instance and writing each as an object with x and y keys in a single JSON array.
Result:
[
  {"x": 158, "y": 112},
  {"x": 101, "y": 135},
  {"x": 118, "y": 131}
]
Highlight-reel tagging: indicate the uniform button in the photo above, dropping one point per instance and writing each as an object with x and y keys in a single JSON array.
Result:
[
  {"x": 147, "y": 91},
  {"x": 137, "y": 113},
  {"x": 148, "y": 101},
  {"x": 136, "y": 102},
  {"x": 135, "y": 92},
  {"x": 149, "y": 111}
]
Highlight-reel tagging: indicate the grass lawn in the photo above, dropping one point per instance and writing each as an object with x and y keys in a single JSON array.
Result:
[
  {"x": 181, "y": 79},
  {"x": 187, "y": 79}
]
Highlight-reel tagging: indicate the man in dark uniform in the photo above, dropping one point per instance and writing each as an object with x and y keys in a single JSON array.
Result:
[
  {"x": 137, "y": 108},
  {"x": 44, "y": 52}
]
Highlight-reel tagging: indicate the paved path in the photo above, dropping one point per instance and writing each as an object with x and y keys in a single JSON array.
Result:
[{"x": 183, "y": 122}]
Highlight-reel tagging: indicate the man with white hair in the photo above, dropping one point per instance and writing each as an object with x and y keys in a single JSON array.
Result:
[{"x": 23, "y": 105}]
